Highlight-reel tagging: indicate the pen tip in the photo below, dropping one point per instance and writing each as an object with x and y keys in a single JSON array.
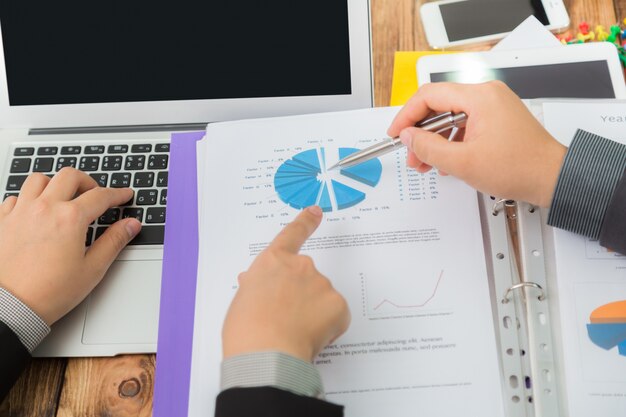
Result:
[{"x": 333, "y": 167}]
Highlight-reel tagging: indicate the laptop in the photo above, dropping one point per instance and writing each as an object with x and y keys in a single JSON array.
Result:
[{"x": 102, "y": 86}]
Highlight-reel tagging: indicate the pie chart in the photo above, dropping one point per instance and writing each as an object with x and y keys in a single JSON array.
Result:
[
  {"x": 303, "y": 181},
  {"x": 608, "y": 326}
]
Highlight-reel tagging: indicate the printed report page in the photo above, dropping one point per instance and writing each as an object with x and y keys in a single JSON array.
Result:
[
  {"x": 404, "y": 249},
  {"x": 591, "y": 285}
]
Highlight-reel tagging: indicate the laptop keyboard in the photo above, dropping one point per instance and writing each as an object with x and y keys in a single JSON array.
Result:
[{"x": 142, "y": 167}]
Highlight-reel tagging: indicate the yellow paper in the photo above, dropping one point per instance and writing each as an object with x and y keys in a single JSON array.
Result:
[{"x": 405, "y": 75}]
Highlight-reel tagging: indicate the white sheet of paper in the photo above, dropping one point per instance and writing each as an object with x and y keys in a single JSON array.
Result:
[
  {"x": 528, "y": 35},
  {"x": 588, "y": 276},
  {"x": 408, "y": 258}
]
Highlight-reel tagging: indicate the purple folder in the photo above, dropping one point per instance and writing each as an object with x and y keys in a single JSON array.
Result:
[{"x": 178, "y": 287}]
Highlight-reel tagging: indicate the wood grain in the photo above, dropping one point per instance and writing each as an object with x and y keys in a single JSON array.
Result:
[
  {"x": 123, "y": 386},
  {"x": 108, "y": 387},
  {"x": 37, "y": 391},
  {"x": 594, "y": 12},
  {"x": 620, "y": 10},
  {"x": 393, "y": 29}
]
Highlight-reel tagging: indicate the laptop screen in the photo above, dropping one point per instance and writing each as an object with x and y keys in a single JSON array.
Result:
[{"x": 77, "y": 51}]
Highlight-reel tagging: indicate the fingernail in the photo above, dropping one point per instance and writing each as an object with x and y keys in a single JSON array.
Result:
[
  {"x": 315, "y": 210},
  {"x": 406, "y": 138},
  {"x": 133, "y": 227}
]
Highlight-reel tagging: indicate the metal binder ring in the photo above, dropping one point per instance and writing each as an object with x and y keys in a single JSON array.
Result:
[
  {"x": 495, "y": 210},
  {"x": 506, "y": 299}
]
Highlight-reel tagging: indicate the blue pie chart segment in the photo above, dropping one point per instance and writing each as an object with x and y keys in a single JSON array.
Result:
[
  {"x": 347, "y": 196},
  {"x": 608, "y": 335},
  {"x": 368, "y": 172},
  {"x": 291, "y": 171},
  {"x": 298, "y": 184},
  {"x": 309, "y": 159},
  {"x": 324, "y": 202}
]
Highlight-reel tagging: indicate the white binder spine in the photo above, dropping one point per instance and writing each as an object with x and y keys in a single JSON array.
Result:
[
  {"x": 514, "y": 365},
  {"x": 541, "y": 344}
]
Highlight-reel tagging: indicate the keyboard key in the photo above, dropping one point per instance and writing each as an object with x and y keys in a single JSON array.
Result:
[
  {"x": 118, "y": 148},
  {"x": 141, "y": 148},
  {"x": 143, "y": 179},
  {"x": 70, "y": 150},
  {"x": 110, "y": 216},
  {"x": 137, "y": 213},
  {"x": 100, "y": 231},
  {"x": 162, "y": 179},
  {"x": 65, "y": 162},
  {"x": 157, "y": 161},
  {"x": 15, "y": 182},
  {"x": 134, "y": 163},
  {"x": 155, "y": 215},
  {"x": 47, "y": 150},
  {"x": 147, "y": 197},
  {"x": 20, "y": 165},
  {"x": 7, "y": 195},
  {"x": 89, "y": 237},
  {"x": 89, "y": 163},
  {"x": 120, "y": 180},
  {"x": 24, "y": 152},
  {"x": 43, "y": 164},
  {"x": 150, "y": 235},
  {"x": 112, "y": 163},
  {"x": 163, "y": 201},
  {"x": 101, "y": 179},
  {"x": 92, "y": 150},
  {"x": 162, "y": 147}
]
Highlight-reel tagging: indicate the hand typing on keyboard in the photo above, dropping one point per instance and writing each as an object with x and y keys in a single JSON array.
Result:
[{"x": 43, "y": 260}]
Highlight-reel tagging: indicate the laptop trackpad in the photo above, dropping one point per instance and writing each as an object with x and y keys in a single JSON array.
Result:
[{"x": 124, "y": 308}]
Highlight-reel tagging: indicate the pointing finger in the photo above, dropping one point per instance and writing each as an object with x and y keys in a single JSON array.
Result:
[{"x": 293, "y": 236}]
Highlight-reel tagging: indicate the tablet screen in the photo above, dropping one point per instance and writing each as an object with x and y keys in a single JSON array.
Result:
[{"x": 589, "y": 79}]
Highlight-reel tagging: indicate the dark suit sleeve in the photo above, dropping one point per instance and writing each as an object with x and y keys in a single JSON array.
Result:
[
  {"x": 271, "y": 402},
  {"x": 13, "y": 359},
  {"x": 613, "y": 232},
  {"x": 590, "y": 195}
]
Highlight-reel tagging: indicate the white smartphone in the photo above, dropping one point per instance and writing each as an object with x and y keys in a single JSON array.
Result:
[{"x": 452, "y": 23}]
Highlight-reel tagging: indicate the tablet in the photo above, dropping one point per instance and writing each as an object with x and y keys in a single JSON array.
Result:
[{"x": 590, "y": 70}]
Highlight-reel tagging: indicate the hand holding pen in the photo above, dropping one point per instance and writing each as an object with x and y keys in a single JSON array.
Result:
[
  {"x": 505, "y": 152},
  {"x": 440, "y": 123}
]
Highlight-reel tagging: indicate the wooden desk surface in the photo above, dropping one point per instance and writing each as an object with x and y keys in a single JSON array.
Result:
[{"x": 123, "y": 386}]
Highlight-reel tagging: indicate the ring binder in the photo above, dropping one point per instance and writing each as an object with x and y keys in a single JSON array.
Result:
[
  {"x": 505, "y": 203},
  {"x": 495, "y": 209},
  {"x": 506, "y": 299}
]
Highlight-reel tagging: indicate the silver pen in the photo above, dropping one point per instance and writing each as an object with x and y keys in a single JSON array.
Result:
[{"x": 438, "y": 124}]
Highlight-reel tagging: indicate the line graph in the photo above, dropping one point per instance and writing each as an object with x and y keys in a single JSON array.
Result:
[
  {"x": 424, "y": 304},
  {"x": 389, "y": 294}
]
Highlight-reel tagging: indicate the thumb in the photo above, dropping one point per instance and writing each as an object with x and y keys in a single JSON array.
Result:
[
  {"x": 432, "y": 149},
  {"x": 105, "y": 249}
]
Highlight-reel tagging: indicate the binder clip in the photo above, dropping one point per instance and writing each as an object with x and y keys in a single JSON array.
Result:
[{"x": 507, "y": 295}]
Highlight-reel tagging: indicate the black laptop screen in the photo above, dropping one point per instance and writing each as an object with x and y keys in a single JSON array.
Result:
[{"x": 78, "y": 51}]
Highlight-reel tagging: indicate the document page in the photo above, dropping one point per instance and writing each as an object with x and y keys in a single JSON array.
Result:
[
  {"x": 404, "y": 249},
  {"x": 591, "y": 285}
]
